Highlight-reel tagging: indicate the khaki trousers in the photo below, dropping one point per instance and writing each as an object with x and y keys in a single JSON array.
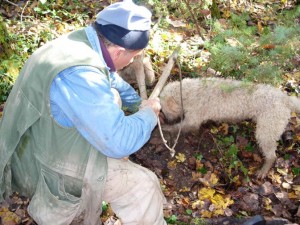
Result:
[{"x": 134, "y": 193}]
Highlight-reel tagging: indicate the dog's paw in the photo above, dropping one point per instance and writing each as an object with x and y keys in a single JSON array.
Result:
[{"x": 261, "y": 174}]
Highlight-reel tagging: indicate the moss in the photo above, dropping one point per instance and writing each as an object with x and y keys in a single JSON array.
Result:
[{"x": 4, "y": 41}]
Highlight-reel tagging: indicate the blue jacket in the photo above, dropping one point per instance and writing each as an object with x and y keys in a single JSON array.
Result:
[{"x": 80, "y": 97}]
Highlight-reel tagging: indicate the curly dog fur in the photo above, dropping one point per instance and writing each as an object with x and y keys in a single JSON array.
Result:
[{"x": 232, "y": 101}]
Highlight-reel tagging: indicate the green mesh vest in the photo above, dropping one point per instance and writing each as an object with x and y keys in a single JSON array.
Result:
[{"x": 41, "y": 159}]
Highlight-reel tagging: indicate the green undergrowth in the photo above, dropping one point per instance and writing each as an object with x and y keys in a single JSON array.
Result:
[{"x": 260, "y": 54}]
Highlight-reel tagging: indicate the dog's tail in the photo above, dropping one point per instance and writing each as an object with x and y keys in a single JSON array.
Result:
[{"x": 295, "y": 102}]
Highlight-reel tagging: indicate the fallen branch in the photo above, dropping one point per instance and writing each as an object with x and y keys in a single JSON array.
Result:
[{"x": 166, "y": 72}]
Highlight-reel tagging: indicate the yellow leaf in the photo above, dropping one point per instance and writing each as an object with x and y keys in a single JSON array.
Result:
[
  {"x": 214, "y": 130},
  {"x": 225, "y": 128},
  {"x": 13, "y": 71},
  {"x": 218, "y": 212},
  {"x": 267, "y": 203},
  {"x": 196, "y": 176},
  {"x": 259, "y": 27},
  {"x": 185, "y": 189},
  {"x": 197, "y": 204},
  {"x": 219, "y": 201},
  {"x": 206, "y": 214},
  {"x": 180, "y": 157},
  {"x": 252, "y": 170},
  {"x": 275, "y": 177},
  {"x": 282, "y": 171},
  {"x": 60, "y": 27},
  {"x": 226, "y": 14},
  {"x": 172, "y": 165},
  {"x": 294, "y": 195},
  {"x": 165, "y": 36},
  {"x": 237, "y": 180},
  {"x": 199, "y": 165},
  {"x": 296, "y": 188},
  {"x": 214, "y": 179},
  {"x": 294, "y": 114},
  {"x": 209, "y": 179},
  {"x": 206, "y": 193}
]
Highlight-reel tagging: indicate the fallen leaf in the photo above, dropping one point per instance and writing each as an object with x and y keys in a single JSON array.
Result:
[
  {"x": 180, "y": 157},
  {"x": 206, "y": 214},
  {"x": 268, "y": 46},
  {"x": 209, "y": 179},
  {"x": 219, "y": 201},
  {"x": 259, "y": 27},
  {"x": 172, "y": 165}
]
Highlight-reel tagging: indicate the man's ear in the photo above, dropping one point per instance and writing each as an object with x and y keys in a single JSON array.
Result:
[{"x": 116, "y": 52}]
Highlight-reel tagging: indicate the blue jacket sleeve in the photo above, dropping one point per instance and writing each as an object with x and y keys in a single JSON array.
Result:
[
  {"x": 81, "y": 97},
  {"x": 130, "y": 98}
]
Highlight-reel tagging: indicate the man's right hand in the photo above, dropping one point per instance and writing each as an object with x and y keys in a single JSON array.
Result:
[{"x": 154, "y": 104}]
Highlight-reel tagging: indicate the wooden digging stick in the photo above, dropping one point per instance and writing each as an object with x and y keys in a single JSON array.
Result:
[
  {"x": 166, "y": 72},
  {"x": 157, "y": 89}
]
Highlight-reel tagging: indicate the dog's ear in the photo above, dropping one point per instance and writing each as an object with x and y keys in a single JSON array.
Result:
[{"x": 172, "y": 108}]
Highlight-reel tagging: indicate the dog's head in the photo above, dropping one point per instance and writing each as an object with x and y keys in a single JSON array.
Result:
[{"x": 171, "y": 110}]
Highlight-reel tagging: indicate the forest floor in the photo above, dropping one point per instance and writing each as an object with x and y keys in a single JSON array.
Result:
[
  {"x": 238, "y": 197},
  {"x": 199, "y": 167}
]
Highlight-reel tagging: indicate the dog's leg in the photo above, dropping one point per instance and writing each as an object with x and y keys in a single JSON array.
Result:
[
  {"x": 140, "y": 76},
  {"x": 149, "y": 72},
  {"x": 269, "y": 129}
]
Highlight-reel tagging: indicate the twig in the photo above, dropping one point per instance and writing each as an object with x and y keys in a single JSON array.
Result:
[
  {"x": 9, "y": 2},
  {"x": 23, "y": 10},
  {"x": 194, "y": 19},
  {"x": 166, "y": 72}
]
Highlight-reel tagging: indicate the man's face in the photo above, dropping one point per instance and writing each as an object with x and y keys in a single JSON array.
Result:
[{"x": 124, "y": 57}]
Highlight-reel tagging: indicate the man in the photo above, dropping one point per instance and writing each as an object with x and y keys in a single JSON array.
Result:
[{"x": 63, "y": 136}]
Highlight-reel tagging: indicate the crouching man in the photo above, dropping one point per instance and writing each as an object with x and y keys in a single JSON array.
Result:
[{"x": 62, "y": 135}]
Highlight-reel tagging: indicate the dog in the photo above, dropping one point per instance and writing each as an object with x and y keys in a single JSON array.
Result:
[
  {"x": 218, "y": 99},
  {"x": 140, "y": 70}
]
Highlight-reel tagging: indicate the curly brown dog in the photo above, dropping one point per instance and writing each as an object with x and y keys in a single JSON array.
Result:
[{"x": 232, "y": 101}]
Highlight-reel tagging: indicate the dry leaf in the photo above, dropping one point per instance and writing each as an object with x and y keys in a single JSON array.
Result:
[
  {"x": 172, "y": 165},
  {"x": 268, "y": 46},
  {"x": 259, "y": 27},
  {"x": 180, "y": 157}
]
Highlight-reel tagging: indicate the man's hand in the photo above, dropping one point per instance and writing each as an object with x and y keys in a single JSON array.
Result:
[{"x": 154, "y": 104}]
